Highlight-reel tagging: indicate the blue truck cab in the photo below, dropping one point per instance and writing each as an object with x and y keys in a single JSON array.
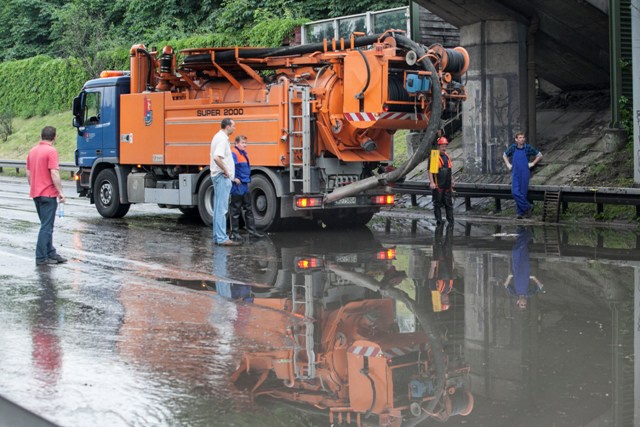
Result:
[{"x": 96, "y": 112}]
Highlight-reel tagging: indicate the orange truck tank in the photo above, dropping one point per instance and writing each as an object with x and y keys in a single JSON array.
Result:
[{"x": 318, "y": 118}]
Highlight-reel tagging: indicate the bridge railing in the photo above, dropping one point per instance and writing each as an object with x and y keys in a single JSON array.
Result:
[{"x": 599, "y": 196}]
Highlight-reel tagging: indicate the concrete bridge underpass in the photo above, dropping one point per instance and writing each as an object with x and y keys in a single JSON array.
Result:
[{"x": 518, "y": 46}]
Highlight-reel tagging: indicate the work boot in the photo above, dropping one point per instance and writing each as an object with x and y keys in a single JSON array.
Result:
[
  {"x": 529, "y": 212},
  {"x": 60, "y": 259},
  {"x": 234, "y": 233},
  {"x": 228, "y": 242},
  {"x": 250, "y": 225},
  {"x": 255, "y": 233},
  {"x": 235, "y": 210}
]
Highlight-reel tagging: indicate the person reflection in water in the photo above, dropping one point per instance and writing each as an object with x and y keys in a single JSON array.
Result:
[
  {"x": 442, "y": 269},
  {"x": 234, "y": 291},
  {"x": 46, "y": 354},
  {"x": 225, "y": 288},
  {"x": 520, "y": 283}
]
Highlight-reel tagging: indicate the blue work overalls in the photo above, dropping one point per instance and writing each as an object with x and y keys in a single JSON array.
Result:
[{"x": 520, "y": 180}]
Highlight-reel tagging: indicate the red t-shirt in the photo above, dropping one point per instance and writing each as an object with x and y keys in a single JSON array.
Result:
[{"x": 40, "y": 160}]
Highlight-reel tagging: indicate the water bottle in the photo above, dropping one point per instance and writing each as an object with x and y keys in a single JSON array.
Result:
[{"x": 60, "y": 210}]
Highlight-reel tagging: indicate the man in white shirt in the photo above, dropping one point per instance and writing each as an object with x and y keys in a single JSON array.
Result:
[{"x": 222, "y": 175}]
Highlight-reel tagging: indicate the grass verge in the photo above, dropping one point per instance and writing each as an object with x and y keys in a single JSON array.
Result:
[{"x": 26, "y": 134}]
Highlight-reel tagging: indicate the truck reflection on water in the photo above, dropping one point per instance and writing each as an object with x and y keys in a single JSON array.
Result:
[{"x": 343, "y": 348}]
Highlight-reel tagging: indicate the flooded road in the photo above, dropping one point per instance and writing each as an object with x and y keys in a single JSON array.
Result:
[{"x": 397, "y": 324}]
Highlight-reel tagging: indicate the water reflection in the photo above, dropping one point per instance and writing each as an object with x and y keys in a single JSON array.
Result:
[
  {"x": 372, "y": 326},
  {"x": 46, "y": 354},
  {"x": 520, "y": 283},
  {"x": 335, "y": 335},
  {"x": 441, "y": 272},
  {"x": 343, "y": 294}
]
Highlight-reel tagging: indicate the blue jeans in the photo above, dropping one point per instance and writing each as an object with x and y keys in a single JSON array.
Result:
[
  {"x": 221, "y": 189},
  {"x": 46, "y": 208}
]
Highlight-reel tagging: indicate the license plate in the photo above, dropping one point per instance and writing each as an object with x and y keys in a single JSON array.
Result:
[
  {"x": 348, "y": 258},
  {"x": 346, "y": 201}
]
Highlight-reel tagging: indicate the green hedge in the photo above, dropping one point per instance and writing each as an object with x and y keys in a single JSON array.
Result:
[
  {"x": 39, "y": 85},
  {"x": 114, "y": 59}
]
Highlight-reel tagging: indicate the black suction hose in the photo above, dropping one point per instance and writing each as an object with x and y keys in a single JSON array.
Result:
[
  {"x": 365, "y": 371},
  {"x": 360, "y": 95},
  {"x": 230, "y": 55},
  {"x": 455, "y": 62}
]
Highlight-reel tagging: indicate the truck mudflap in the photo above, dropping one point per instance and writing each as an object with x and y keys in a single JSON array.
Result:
[{"x": 83, "y": 183}]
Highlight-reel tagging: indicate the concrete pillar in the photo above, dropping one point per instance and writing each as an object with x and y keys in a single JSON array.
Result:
[{"x": 496, "y": 106}]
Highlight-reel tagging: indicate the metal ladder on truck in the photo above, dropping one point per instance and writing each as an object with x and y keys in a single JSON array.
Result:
[
  {"x": 304, "y": 332},
  {"x": 299, "y": 138}
]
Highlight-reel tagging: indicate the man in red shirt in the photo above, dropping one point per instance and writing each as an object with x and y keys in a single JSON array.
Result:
[{"x": 46, "y": 190}]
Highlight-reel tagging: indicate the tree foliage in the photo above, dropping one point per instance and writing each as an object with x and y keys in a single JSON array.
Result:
[
  {"x": 50, "y": 47},
  {"x": 25, "y": 27},
  {"x": 83, "y": 27}
]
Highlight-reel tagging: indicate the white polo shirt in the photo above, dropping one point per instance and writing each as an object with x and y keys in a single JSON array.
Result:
[{"x": 220, "y": 147}]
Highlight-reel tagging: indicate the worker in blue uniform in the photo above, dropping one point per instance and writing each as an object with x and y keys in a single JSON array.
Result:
[
  {"x": 441, "y": 183},
  {"x": 520, "y": 155},
  {"x": 240, "y": 195}
]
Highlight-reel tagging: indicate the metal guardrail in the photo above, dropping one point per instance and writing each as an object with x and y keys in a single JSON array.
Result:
[
  {"x": 22, "y": 164},
  {"x": 568, "y": 194},
  {"x": 597, "y": 195}
]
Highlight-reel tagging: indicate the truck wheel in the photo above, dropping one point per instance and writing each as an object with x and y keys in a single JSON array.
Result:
[
  {"x": 106, "y": 195},
  {"x": 205, "y": 201},
  {"x": 266, "y": 208}
]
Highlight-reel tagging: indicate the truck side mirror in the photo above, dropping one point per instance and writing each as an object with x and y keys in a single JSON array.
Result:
[
  {"x": 76, "y": 124},
  {"x": 77, "y": 110}
]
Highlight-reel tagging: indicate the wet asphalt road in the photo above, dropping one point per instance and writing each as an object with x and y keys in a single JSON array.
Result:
[{"x": 149, "y": 324}]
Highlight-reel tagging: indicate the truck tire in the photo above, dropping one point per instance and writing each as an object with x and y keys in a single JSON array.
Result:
[
  {"x": 106, "y": 195},
  {"x": 205, "y": 201},
  {"x": 266, "y": 207}
]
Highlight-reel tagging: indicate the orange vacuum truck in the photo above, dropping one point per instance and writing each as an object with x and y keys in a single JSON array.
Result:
[
  {"x": 343, "y": 354},
  {"x": 319, "y": 118}
]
